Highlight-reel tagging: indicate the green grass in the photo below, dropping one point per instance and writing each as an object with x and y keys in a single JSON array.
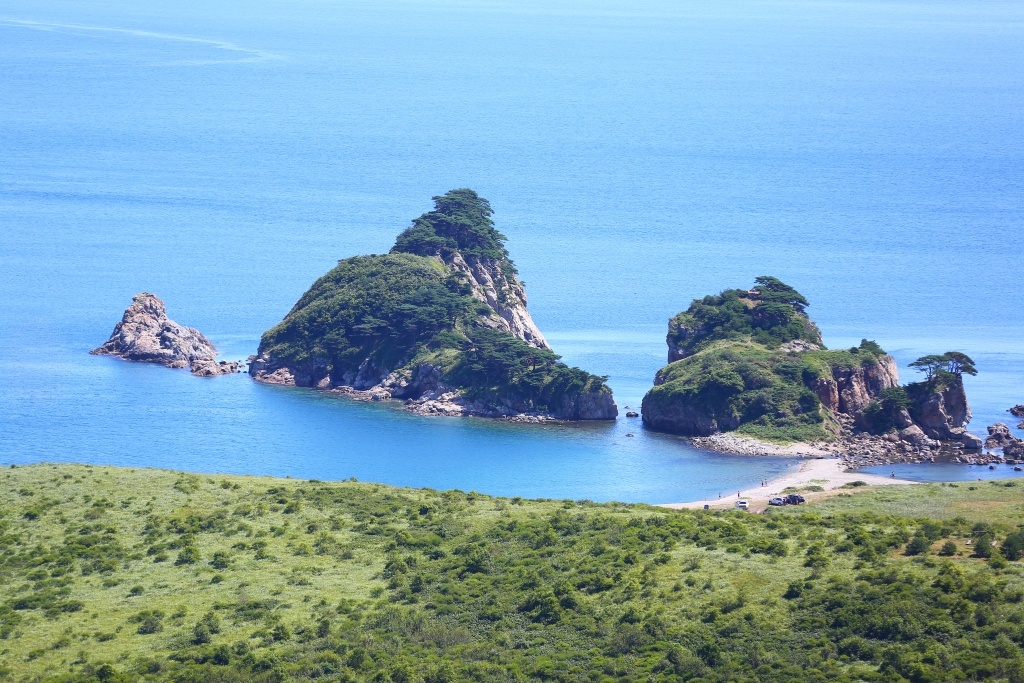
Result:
[
  {"x": 116, "y": 574},
  {"x": 997, "y": 501}
]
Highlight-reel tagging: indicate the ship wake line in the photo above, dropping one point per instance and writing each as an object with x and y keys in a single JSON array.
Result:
[{"x": 245, "y": 54}]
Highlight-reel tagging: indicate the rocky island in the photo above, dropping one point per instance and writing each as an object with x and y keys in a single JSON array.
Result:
[
  {"x": 439, "y": 322},
  {"x": 752, "y": 362},
  {"x": 147, "y": 335}
]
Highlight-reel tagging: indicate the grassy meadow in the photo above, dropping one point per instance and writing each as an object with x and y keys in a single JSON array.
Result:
[{"x": 116, "y": 574}]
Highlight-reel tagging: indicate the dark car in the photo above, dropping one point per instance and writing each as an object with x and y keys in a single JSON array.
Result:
[
  {"x": 794, "y": 499},
  {"x": 777, "y": 501}
]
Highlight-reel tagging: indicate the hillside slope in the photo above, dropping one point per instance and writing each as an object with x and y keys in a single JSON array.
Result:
[{"x": 116, "y": 574}]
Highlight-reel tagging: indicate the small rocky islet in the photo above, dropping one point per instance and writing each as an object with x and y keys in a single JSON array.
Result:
[{"x": 145, "y": 334}]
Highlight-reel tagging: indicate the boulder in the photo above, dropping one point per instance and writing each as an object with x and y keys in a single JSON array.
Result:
[
  {"x": 632, "y": 413},
  {"x": 998, "y": 435},
  {"x": 971, "y": 442},
  {"x": 915, "y": 436},
  {"x": 1017, "y": 411},
  {"x": 145, "y": 334},
  {"x": 1014, "y": 449}
]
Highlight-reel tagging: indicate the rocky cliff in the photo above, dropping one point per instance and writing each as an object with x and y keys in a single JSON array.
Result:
[
  {"x": 942, "y": 412},
  {"x": 849, "y": 390},
  {"x": 503, "y": 293},
  {"x": 440, "y": 322},
  {"x": 147, "y": 335}
]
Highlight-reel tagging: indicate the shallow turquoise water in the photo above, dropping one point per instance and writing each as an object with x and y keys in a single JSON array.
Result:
[{"x": 224, "y": 154}]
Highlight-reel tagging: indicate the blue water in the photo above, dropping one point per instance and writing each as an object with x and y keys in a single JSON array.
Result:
[{"x": 638, "y": 154}]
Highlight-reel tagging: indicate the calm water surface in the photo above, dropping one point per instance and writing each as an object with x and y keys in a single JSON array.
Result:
[{"x": 224, "y": 154}]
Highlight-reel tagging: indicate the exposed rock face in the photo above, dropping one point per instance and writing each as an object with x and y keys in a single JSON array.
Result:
[
  {"x": 850, "y": 390},
  {"x": 683, "y": 418},
  {"x": 502, "y": 292},
  {"x": 1017, "y": 411},
  {"x": 827, "y": 391},
  {"x": 944, "y": 414},
  {"x": 676, "y": 333},
  {"x": 858, "y": 386},
  {"x": 799, "y": 346},
  {"x": 147, "y": 335}
]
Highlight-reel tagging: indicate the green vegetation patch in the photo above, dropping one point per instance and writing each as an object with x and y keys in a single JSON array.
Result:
[
  {"x": 770, "y": 314},
  {"x": 384, "y": 307},
  {"x": 342, "y": 581}
]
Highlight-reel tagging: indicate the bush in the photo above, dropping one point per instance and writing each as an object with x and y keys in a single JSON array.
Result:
[
  {"x": 919, "y": 545},
  {"x": 188, "y": 555}
]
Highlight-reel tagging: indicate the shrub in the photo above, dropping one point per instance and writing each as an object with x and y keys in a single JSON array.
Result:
[{"x": 188, "y": 555}]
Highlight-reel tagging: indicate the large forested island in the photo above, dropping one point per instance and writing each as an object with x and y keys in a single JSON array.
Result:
[
  {"x": 752, "y": 361},
  {"x": 439, "y": 322},
  {"x": 114, "y": 575}
]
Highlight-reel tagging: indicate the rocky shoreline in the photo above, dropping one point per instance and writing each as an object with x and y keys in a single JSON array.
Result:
[
  {"x": 857, "y": 449},
  {"x": 422, "y": 392}
]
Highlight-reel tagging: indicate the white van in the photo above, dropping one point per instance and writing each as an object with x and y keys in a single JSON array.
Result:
[{"x": 742, "y": 504}]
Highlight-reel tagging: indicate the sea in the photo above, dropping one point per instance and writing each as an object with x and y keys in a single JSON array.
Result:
[{"x": 638, "y": 154}]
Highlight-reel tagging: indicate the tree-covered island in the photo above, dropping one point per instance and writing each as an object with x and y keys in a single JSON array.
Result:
[
  {"x": 440, "y": 322},
  {"x": 752, "y": 361}
]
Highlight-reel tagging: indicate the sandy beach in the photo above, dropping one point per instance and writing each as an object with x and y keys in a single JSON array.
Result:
[{"x": 827, "y": 473}]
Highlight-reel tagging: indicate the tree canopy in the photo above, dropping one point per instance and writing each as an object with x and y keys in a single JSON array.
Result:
[
  {"x": 776, "y": 291},
  {"x": 772, "y": 317},
  {"x": 461, "y": 221},
  {"x": 941, "y": 366}
]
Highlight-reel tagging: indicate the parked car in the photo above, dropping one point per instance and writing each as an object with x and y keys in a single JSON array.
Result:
[
  {"x": 794, "y": 499},
  {"x": 742, "y": 504},
  {"x": 777, "y": 501}
]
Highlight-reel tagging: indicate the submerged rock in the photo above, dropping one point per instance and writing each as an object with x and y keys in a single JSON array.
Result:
[
  {"x": 145, "y": 334},
  {"x": 210, "y": 368}
]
